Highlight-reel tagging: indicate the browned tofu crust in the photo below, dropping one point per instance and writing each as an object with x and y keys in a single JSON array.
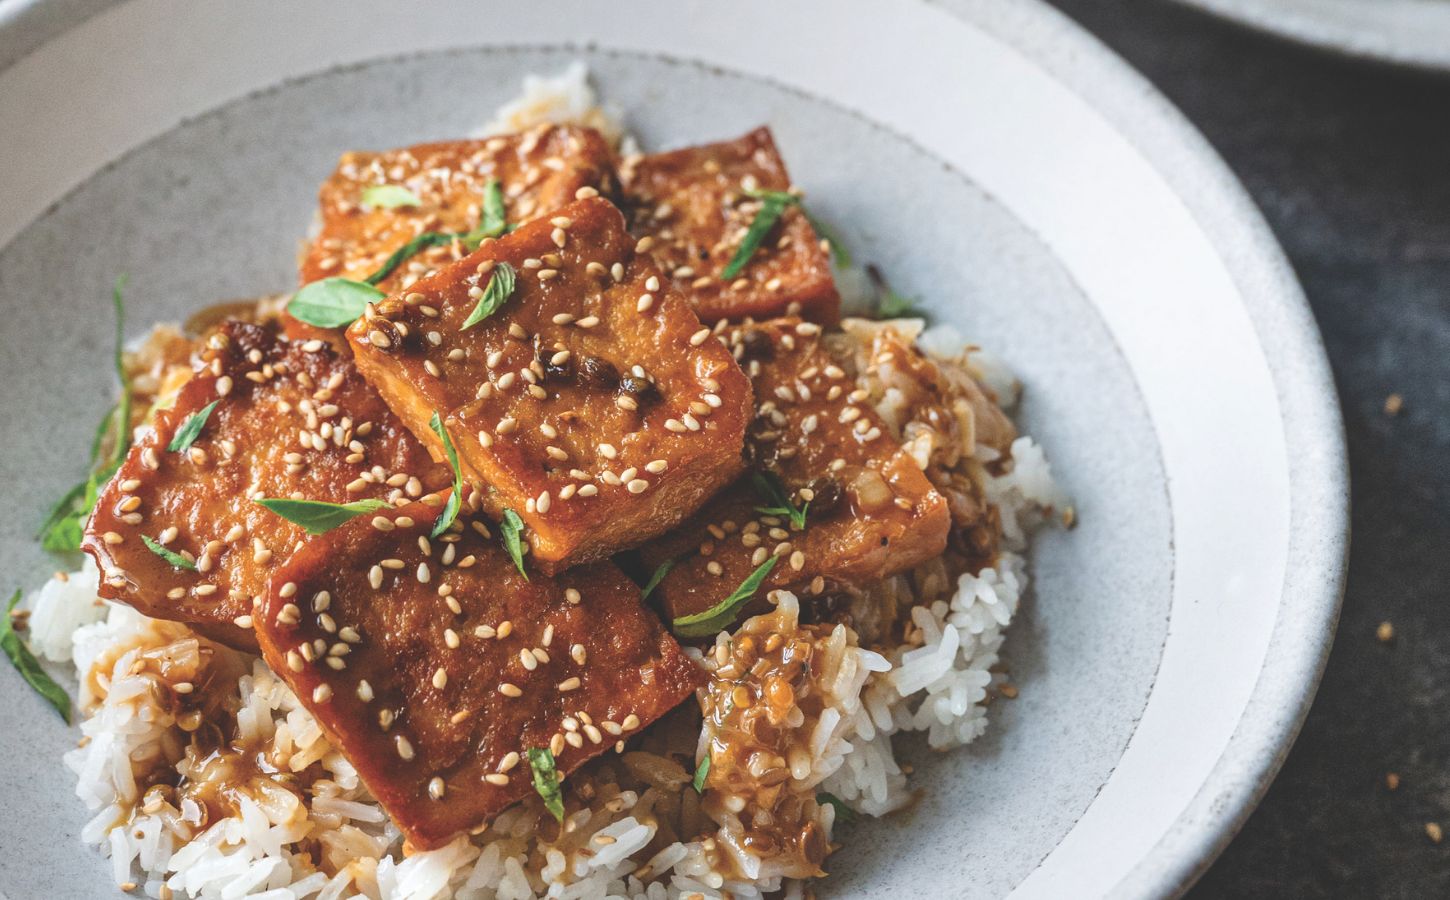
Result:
[
  {"x": 693, "y": 206},
  {"x": 434, "y": 666},
  {"x": 291, "y": 420},
  {"x": 539, "y": 170},
  {"x": 593, "y": 402},
  {"x": 872, "y": 511}
]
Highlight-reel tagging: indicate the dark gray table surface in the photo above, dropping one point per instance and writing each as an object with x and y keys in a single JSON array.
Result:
[{"x": 1350, "y": 162}]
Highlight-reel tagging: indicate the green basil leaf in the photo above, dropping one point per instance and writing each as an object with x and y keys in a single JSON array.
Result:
[
  {"x": 190, "y": 430},
  {"x": 28, "y": 666},
  {"x": 844, "y": 813},
  {"x": 720, "y": 616},
  {"x": 455, "y": 497},
  {"x": 772, "y": 204},
  {"x": 702, "y": 771},
  {"x": 770, "y": 488},
  {"x": 891, "y": 305},
  {"x": 64, "y": 523},
  {"x": 513, "y": 528},
  {"x": 332, "y": 302},
  {"x": 493, "y": 222},
  {"x": 319, "y": 516},
  {"x": 421, "y": 242},
  {"x": 389, "y": 196},
  {"x": 546, "y": 780},
  {"x": 659, "y": 574},
  {"x": 500, "y": 288},
  {"x": 176, "y": 559}
]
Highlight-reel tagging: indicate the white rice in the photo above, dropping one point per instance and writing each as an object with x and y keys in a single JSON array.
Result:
[{"x": 937, "y": 683}]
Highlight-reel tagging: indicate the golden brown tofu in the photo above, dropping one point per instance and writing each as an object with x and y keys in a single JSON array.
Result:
[
  {"x": 694, "y": 207},
  {"x": 871, "y": 511},
  {"x": 538, "y": 171},
  {"x": 592, "y": 402},
  {"x": 291, "y": 420},
  {"x": 434, "y": 666}
]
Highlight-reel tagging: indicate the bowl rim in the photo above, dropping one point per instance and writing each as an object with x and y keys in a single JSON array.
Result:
[
  {"x": 1314, "y": 580},
  {"x": 1411, "y": 33},
  {"x": 1313, "y": 585}
]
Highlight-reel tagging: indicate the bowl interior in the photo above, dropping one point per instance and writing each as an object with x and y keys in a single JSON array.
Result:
[{"x": 215, "y": 208}]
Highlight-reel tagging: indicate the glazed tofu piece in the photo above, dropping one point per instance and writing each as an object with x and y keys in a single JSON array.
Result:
[
  {"x": 435, "y": 666},
  {"x": 869, "y": 509},
  {"x": 291, "y": 420},
  {"x": 539, "y": 170},
  {"x": 693, "y": 206},
  {"x": 591, "y": 401}
]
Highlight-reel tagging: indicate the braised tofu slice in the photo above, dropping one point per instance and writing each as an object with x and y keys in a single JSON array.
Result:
[
  {"x": 290, "y": 420},
  {"x": 435, "y": 666},
  {"x": 694, "y": 206},
  {"x": 869, "y": 511},
  {"x": 591, "y": 401},
  {"x": 539, "y": 170}
]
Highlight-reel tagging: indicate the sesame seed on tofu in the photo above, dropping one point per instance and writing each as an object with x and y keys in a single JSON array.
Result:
[
  {"x": 691, "y": 208},
  {"x": 293, "y": 430},
  {"x": 870, "y": 510},
  {"x": 437, "y": 696},
  {"x": 598, "y": 425}
]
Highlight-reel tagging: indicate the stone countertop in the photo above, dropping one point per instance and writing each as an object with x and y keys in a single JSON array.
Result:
[{"x": 1350, "y": 162}]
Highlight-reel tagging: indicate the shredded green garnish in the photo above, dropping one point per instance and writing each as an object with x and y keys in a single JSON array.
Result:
[
  {"x": 844, "y": 813},
  {"x": 772, "y": 205},
  {"x": 546, "y": 780},
  {"x": 513, "y": 528},
  {"x": 720, "y": 616},
  {"x": 190, "y": 430},
  {"x": 332, "y": 302},
  {"x": 64, "y": 524},
  {"x": 891, "y": 305},
  {"x": 319, "y": 516},
  {"x": 772, "y": 491},
  {"x": 655, "y": 578},
  {"x": 455, "y": 496},
  {"x": 702, "y": 771},
  {"x": 492, "y": 224},
  {"x": 389, "y": 196},
  {"x": 28, "y": 666},
  {"x": 500, "y": 288},
  {"x": 176, "y": 559}
]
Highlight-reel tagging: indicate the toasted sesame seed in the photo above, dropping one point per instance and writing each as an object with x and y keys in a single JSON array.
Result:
[
  {"x": 405, "y": 748},
  {"x": 569, "y": 684},
  {"x": 440, "y": 678},
  {"x": 699, "y": 337},
  {"x": 572, "y": 595},
  {"x": 510, "y": 690},
  {"x": 637, "y": 486},
  {"x": 322, "y": 693}
]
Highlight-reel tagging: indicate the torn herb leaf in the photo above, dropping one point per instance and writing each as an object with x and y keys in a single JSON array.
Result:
[
  {"x": 513, "y": 528},
  {"x": 28, "y": 666},
  {"x": 176, "y": 559},
  {"x": 720, "y": 616},
  {"x": 332, "y": 302},
  {"x": 190, "y": 430},
  {"x": 546, "y": 780},
  {"x": 389, "y": 196},
  {"x": 319, "y": 516},
  {"x": 500, "y": 288},
  {"x": 455, "y": 496}
]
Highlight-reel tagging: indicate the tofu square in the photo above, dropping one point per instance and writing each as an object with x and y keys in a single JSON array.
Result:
[
  {"x": 870, "y": 511},
  {"x": 292, "y": 419},
  {"x": 591, "y": 402},
  {"x": 694, "y": 207},
  {"x": 434, "y": 666},
  {"x": 538, "y": 170}
]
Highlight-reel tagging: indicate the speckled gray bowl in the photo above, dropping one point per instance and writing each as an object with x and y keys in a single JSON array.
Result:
[{"x": 993, "y": 159}]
